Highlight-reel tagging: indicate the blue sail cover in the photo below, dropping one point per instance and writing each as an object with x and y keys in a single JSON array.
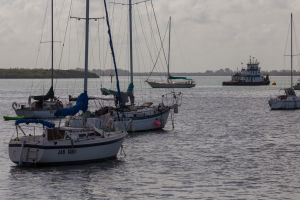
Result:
[
  {"x": 81, "y": 104},
  {"x": 36, "y": 121}
]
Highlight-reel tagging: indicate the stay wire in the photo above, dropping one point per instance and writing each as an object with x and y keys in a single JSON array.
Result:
[
  {"x": 161, "y": 41},
  {"x": 40, "y": 43},
  {"x": 64, "y": 39},
  {"x": 154, "y": 67}
]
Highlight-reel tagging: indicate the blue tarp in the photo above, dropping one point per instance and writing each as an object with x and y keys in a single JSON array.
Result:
[
  {"x": 81, "y": 104},
  {"x": 37, "y": 121}
]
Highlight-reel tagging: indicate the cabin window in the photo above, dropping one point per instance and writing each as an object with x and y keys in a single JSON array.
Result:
[
  {"x": 55, "y": 134},
  {"x": 82, "y": 135}
]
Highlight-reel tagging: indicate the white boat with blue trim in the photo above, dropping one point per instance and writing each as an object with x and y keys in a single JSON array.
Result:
[
  {"x": 68, "y": 144},
  {"x": 64, "y": 145}
]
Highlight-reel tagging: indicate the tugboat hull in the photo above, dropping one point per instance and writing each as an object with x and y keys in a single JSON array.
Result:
[{"x": 235, "y": 83}]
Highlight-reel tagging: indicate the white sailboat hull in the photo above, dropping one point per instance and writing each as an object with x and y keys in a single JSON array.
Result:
[
  {"x": 147, "y": 123},
  {"x": 65, "y": 153},
  {"x": 134, "y": 121},
  {"x": 290, "y": 103},
  {"x": 154, "y": 84},
  {"x": 35, "y": 114}
]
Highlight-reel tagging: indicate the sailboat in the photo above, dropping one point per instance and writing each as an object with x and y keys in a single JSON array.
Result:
[
  {"x": 66, "y": 145},
  {"x": 43, "y": 106},
  {"x": 289, "y": 100},
  {"x": 172, "y": 81},
  {"x": 146, "y": 116}
]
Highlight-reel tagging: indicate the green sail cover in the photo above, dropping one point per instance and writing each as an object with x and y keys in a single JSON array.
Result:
[
  {"x": 49, "y": 95},
  {"x": 130, "y": 87},
  {"x": 113, "y": 92},
  {"x": 180, "y": 77}
]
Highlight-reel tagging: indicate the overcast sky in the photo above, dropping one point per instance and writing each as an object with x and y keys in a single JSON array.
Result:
[{"x": 207, "y": 34}]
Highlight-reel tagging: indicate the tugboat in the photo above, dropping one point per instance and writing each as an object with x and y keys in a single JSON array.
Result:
[{"x": 248, "y": 77}]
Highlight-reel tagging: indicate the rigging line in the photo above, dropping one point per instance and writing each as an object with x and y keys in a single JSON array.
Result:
[
  {"x": 43, "y": 26},
  {"x": 157, "y": 56},
  {"x": 286, "y": 44},
  {"x": 158, "y": 31},
  {"x": 40, "y": 42},
  {"x": 138, "y": 47},
  {"x": 59, "y": 17},
  {"x": 65, "y": 35},
  {"x": 99, "y": 43},
  {"x": 69, "y": 46},
  {"x": 146, "y": 41},
  {"x": 105, "y": 51},
  {"x": 120, "y": 39},
  {"x": 296, "y": 43},
  {"x": 152, "y": 32},
  {"x": 92, "y": 60},
  {"x": 150, "y": 24}
]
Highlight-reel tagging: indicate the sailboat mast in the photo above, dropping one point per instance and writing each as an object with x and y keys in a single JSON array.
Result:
[
  {"x": 86, "y": 44},
  {"x": 52, "y": 45},
  {"x": 113, "y": 55},
  {"x": 130, "y": 41},
  {"x": 291, "y": 50},
  {"x": 169, "y": 46}
]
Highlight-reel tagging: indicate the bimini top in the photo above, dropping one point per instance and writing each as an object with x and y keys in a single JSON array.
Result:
[
  {"x": 49, "y": 95},
  {"x": 81, "y": 104},
  {"x": 180, "y": 77},
  {"x": 36, "y": 121}
]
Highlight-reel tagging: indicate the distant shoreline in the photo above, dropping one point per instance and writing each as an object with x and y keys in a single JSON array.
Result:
[
  {"x": 22, "y": 73},
  {"x": 42, "y": 74}
]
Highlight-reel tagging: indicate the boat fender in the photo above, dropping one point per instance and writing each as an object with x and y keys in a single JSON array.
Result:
[
  {"x": 176, "y": 108},
  {"x": 157, "y": 123}
]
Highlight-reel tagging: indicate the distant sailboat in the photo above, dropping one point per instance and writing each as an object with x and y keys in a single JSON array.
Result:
[
  {"x": 289, "y": 100},
  {"x": 172, "y": 81},
  {"x": 66, "y": 145},
  {"x": 43, "y": 106}
]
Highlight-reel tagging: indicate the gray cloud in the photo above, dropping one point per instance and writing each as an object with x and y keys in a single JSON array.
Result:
[{"x": 208, "y": 34}]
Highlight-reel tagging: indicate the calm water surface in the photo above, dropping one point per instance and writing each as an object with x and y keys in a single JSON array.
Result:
[{"x": 226, "y": 144}]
